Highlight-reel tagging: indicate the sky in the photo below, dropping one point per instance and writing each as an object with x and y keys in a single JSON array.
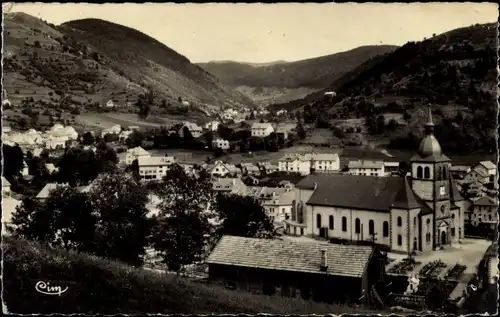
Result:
[{"x": 270, "y": 32}]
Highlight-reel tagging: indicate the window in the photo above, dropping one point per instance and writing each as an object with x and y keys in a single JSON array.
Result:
[
  {"x": 344, "y": 224},
  {"x": 419, "y": 172},
  {"x": 415, "y": 221},
  {"x": 428, "y": 222},
  {"x": 371, "y": 227},
  {"x": 427, "y": 172},
  {"x": 400, "y": 222},
  {"x": 428, "y": 237},
  {"x": 330, "y": 222},
  {"x": 357, "y": 225},
  {"x": 453, "y": 231},
  {"x": 453, "y": 216},
  {"x": 400, "y": 240},
  {"x": 386, "y": 229},
  {"x": 294, "y": 230},
  {"x": 301, "y": 231},
  {"x": 442, "y": 190},
  {"x": 443, "y": 208},
  {"x": 444, "y": 173},
  {"x": 318, "y": 221}
]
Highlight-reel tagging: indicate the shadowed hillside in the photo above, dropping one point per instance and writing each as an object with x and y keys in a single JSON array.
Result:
[
  {"x": 454, "y": 71},
  {"x": 92, "y": 61},
  {"x": 284, "y": 79}
]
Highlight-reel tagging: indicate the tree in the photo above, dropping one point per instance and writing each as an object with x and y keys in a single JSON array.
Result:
[
  {"x": 88, "y": 138},
  {"x": 183, "y": 222},
  {"x": 135, "y": 139},
  {"x": 106, "y": 157},
  {"x": 122, "y": 228},
  {"x": 64, "y": 219},
  {"x": 78, "y": 166},
  {"x": 301, "y": 132},
  {"x": 13, "y": 158},
  {"x": 243, "y": 216}
]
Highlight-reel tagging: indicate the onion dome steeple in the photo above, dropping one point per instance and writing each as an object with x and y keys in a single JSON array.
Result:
[{"x": 429, "y": 144}]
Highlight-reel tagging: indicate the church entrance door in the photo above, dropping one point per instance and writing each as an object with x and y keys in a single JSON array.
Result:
[{"x": 443, "y": 238}]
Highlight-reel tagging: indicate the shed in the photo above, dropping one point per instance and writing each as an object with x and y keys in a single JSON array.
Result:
[{"x": 296, "y": 268}]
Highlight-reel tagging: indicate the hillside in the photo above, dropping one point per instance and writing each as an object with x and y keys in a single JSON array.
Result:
[
  {"x": 92, "y": 61},
  {"x": 454, "y": 71},
  {"x": 98, "y": 286},
  {"x": 290, "y": 80}
]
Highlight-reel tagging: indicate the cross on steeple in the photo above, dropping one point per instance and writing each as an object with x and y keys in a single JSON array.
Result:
[{"x": 429, "y": 126}]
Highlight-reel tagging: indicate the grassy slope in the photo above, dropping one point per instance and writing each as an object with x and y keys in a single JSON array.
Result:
[
  {"x": 124, "y": 69},
  {"x": 100, "y": 286},
  {"x": 399, "y": 77}
]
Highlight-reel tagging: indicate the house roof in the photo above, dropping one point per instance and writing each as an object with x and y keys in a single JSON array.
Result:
[
  {"x": 234, "y": 185},
  {"x": 295, "y": 256},
  {"x": 258, "y": 125},
  {"x": 360, "y": 192},
  {"x": 485, "y": 201},
  {"x": 365, "y": 164},
  {"x": 45, "y": 192},
  {"x": 480, "y": 172},
  {"x": 5, "y": 182},
  {"x": 488, "y": 165},
  {"x": 430, "y": 158},
  {"x": 138, "y": 151},
  {"x": 460, "y": 168},
  {"x": 155, "y": 160}
]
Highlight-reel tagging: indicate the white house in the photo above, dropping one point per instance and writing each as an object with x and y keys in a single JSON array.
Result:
[
  {"x": 261, "y": 130},
  {"x": 277, "y": 202},
  {"x": 124, "y": 135},
  {"x": 269, "y": 168},
  {"x": 212, "y": 126},
  {"x": 221, "y": 144},
  {"x": 221, "y": 169},
  {"x": 230, "y": 186},
  {"x": 390, "y": 168},
  {"x": 110, "y": 104},
  {"x": 477, "y": 175},
  {"x": 195, "y": 130},
  {"x": 486, "y": 168},
  {"x": 134, "y": 154},
  {"x": 5, "y": 187},
  {"x": 366, "y": 167},
  {"x": 295, "y": 163},
  {"x": 154, "y": 167},
  {"x": 324, "y": 162},
  {"x": 250, "y": 169},
  {"x": 116, "y": 129},
  {"x": 483, "y": 211},
  {"x": 420, "y": 212}
]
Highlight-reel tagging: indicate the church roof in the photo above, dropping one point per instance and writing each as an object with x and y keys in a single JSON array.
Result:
[
  {"x": 455, "y": 193},
  {"x": 430, "y": 158},
  {"x": 360, "y": 192}
]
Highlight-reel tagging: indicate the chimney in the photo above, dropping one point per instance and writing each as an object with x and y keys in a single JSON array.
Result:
[{"x": 324, "y": 261}]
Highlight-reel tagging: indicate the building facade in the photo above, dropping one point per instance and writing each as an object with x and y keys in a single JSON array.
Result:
[
  {"x": 134, "y": 154},
  {"x": 420, "y": 212},
  {"x": 261, "y": 130},
  {"x": 154, "y": 167}
]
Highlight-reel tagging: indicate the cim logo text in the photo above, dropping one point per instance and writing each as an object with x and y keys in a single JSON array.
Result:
[{"x": 47, "y": 289}]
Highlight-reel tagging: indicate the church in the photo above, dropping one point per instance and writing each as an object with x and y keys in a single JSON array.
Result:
[{"x": 419, "y": 212}]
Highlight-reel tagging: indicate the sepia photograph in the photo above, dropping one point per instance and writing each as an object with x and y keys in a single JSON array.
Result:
[{"x": 235, "y": 158}]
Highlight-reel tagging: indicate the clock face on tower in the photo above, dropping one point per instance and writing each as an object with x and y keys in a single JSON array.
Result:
[{"x": 442, "y": 190}]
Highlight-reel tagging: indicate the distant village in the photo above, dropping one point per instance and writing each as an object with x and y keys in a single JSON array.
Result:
[{"x": 421, "y": 214}]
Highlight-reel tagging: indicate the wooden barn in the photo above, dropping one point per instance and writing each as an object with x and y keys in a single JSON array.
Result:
[{"x": 310, "y": 270}]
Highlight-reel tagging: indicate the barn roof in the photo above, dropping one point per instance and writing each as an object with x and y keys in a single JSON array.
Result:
[{"x": 295, "y": 256}]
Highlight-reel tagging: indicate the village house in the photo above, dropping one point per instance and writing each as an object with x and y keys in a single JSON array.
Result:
[
  {"x": 250, "y": 169},
  {"x": 277, "y": 202},
  {"x": 366, "y": 167},
  {"x": 154, "y": 167},
  {"x": 116, "y": 129},
  {"x": 459, "y": 171},
  {"x": 296, "y": 269},
  {"x": 190, "y": 166},
  {"x": 44, "y": 193},
  {"x": 285, "y": 129},
  {"x": 391, "y": 168},
  {"x": 302, "y": 164},
  {"x": 221, "y": 169},
  {"x": 124, "y": 135},
  {"x": 221, "y": 144},
  {"x": 51, "y": 168},
  {"x": 5, "y": 187},
  {"x": 489, "y": 168},
  {"x": 229, "y": 186},
  {"x": 195, "y": 130},
  {"x": 477, "y": 175},
  {"x": 134, "y": 154},
  {"x": 261, "y": 130},
  {"x": 268, "y": 167},
  {"x": 483, "y": 211},
  {"x": 26, "y": 141},
  {"x": 419, "y": 212},
  {"x": 212, "y": 126}
]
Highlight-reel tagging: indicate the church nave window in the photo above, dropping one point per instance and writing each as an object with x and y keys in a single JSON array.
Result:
[
  {"x": 444, "y": 172},
  {"x": 400, "y": 240},
  {"x": 318, "y": 221},
  {"x": 330, "y": 222},
  {"x": 357, "y": 225},
  {"x": 453, "y": 231},
  {"x": 427, "y": 172},
  {"x": 400, "y": 222},
  {"x": 371, "y": 227},
  {"x": 428, "y": 237},
  {"x": 386, "y": 229},
  {"x": 344, "y": 224}
]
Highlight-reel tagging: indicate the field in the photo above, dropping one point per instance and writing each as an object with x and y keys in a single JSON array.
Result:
[
  {"x": 107, "y": 120},
  {"x": 98, "y": 286}
]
